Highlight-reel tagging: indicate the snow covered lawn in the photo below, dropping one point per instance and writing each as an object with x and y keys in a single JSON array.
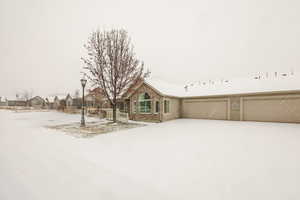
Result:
[
  {"x": 180, "y": 159},
  {"x": 95, "y": 127}
]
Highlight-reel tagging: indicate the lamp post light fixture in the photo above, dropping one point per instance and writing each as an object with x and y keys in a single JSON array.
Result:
[{"x": 83, "y": 83}]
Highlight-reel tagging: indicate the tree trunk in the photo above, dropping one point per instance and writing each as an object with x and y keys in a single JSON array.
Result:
[{"x": 114, "y": 113}]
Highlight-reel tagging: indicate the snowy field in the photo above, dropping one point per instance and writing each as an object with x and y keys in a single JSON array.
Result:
[{"x": 180, "y": 159}]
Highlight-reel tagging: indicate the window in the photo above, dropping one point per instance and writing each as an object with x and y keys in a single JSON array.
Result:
[
  {"x": 166, "y": 106},
  {"x": 144, "y": 103},
  {"x": 157, "y": 106}
]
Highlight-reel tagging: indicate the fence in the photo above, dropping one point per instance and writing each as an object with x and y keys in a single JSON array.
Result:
[{"x": 121, "y": 116}]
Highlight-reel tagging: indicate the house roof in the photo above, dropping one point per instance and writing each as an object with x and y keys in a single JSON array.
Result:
[
  {"x": 165, "y": 88},
  {"x": 60, "y": 96},
  {"x": 95, "y": 91},
  {"x": 14, "y": 98},
  {"x": 267, "y": 83},
  {"x": 245, "y": 86},
  {"x": 37, "y": 97},
  {"x": 50, "y": 98}
]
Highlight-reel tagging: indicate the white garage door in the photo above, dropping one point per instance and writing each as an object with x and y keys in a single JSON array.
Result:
[
  {"x": 206, "y": 109},
  {"x": 272, "y": 109}
]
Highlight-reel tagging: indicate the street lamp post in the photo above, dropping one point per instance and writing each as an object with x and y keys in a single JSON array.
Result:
[{"x": 83, "y": 83}]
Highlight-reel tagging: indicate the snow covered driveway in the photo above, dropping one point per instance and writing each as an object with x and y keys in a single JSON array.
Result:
[{"x": 180, "y": 159}]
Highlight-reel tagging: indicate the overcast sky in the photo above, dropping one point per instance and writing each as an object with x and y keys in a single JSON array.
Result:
[{"x": 41, "y": 42}]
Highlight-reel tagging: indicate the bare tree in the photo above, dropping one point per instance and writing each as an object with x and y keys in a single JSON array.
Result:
[{"x": 111, "y": 64}]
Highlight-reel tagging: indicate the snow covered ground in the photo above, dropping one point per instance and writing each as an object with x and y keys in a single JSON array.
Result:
[{"x": 180, "y": 159}]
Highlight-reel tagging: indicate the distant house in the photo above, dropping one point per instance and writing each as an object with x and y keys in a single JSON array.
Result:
[
  {"x": 3, "y": 101},
  {"x": 73, "y": 102},
  {"x": 55, "y": 101},
  {"x": 50, "y": 102},
  {"x": 59, "y": 101},
  {"x": 95, "y": 98},
  {"x": 16, "y": 101},
  {"x": 37, "y": 102}
]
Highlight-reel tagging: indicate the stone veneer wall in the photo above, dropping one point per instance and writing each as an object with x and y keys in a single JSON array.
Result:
[{"x": 175, "y": 109}]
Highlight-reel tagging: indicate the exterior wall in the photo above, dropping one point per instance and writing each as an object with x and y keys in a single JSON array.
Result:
[
  {"x": 50, "y": 105},
  {"x": 155, "y": 117},
  {"x": 3, "y": 103},
  {"x": 77, "y": 103},
  {"x": 16, "y": 103},
  {"x": 175, "y": 109},
  {"x": 206, "y": 108}
]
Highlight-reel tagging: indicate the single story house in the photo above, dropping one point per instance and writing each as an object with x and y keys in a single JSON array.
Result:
[
  {"x": 3, "y": 101},
  {"x": 16, "y": 101},
  {"x": 55, "y": 101},
  {"x": 59, "y": 101},
  {"x": 37, "y": 102},
  {"x": 73, "y": 102},
  {"x": 95, "y": 98},
  {"x": 50, "y": 102},
  {"x": 265, "y": 99}
]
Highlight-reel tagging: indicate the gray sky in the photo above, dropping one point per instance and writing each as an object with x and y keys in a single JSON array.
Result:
[{"x": 179, "y": 41}]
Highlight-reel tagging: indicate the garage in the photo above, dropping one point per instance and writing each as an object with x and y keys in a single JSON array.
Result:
[
  {"x": 205, "y": 109},
  {"x": 281, "y": 108}
]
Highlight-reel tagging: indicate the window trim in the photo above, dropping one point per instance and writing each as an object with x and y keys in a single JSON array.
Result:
[
  {"x": 166, "y": 106},
  {"x": 157, "y": 109}
]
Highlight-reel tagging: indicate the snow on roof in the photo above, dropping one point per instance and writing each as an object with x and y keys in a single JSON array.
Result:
[
  {"x": 266, "y": 83},
  {"x": 244, "y": 85},
  {"x": 165, "y": 88},
  {"x": 50, "y": 98},
  {"x": 14, "y": 98},
  {"x": 2, "y": 99}
]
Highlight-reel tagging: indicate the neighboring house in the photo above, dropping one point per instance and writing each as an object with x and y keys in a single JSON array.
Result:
[
  {"x": 272, "y": 100},
  {"x": 3, "y": 101},
  {"x": 37, "y": 102},
  {"x": 56, "y": 101},
  {"x": 59, "y": 101},
  {"x": 91, "y": 101},
  {"x": 73, "y": 102},
  {"x": 50, "y": 102},
  {"x": 16, "y": 101},
  {"x": 94, "y": 98}
]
